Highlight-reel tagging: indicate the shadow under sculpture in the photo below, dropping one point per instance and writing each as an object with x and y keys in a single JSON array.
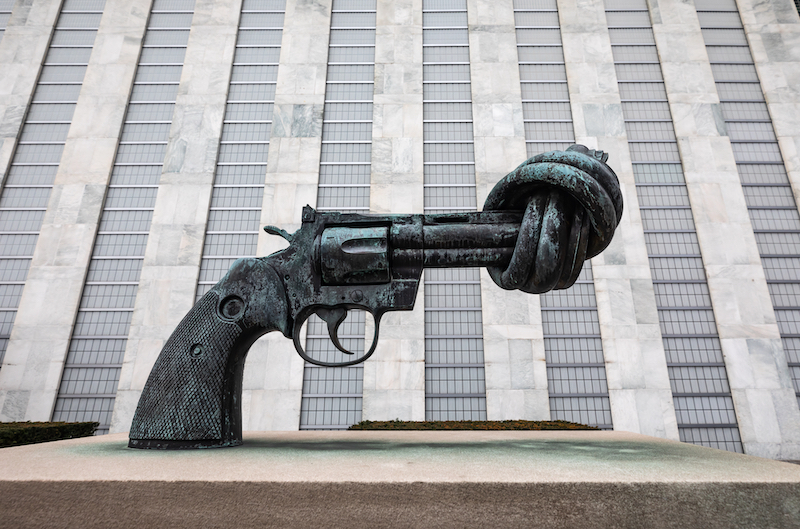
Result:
[{"x": 538, "y": 225}]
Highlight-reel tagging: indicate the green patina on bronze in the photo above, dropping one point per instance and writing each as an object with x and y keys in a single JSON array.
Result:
[{"x": 539, "y": 224}]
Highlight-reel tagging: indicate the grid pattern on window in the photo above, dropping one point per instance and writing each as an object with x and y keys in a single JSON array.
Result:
[
  {"x": 573, "y": 348},
  {"x": 767, "y": 192},
  {"x": 23, "y": 200},
  {"x": 702, "y": 397},
  {"x": 236, "y": 198},
  {"x": 576, "y": 373},
  {"x": 89, "y": 383},
  {"x": 332, "y": 396},
  {"x": 545, "y": 96},
  {"x": 5, "y": 13},
  {"x": 454, "y": 368}
]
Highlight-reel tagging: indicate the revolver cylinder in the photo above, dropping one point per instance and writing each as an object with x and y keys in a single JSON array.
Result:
[{"x": 354, "y": 255}]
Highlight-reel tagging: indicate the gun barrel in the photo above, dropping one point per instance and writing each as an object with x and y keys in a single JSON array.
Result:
[
  {"x": 485, "y": 238},
  {"x": 452, "y": 258},
  {"x": 469, "y": 236},
  {"x": 374, "y": 254}
]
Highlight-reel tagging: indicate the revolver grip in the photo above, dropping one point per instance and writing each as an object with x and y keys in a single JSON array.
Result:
[{"x": 193, "y": 395}]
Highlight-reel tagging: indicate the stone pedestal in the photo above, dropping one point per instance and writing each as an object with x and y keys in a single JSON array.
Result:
[{"x": 400, "y": 479}]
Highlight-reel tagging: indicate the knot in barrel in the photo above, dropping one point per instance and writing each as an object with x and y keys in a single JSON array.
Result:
[{"x": 572, "y": 203}]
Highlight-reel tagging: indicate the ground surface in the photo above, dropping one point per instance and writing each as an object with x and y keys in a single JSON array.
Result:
[{"x": 398, "y": 479}]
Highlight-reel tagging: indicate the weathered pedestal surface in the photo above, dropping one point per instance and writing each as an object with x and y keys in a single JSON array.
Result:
[{"x": 397, "y": 479}]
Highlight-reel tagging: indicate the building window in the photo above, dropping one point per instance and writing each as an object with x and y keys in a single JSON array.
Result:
[
  {"x": 767, "y": 192},
  {"x": 236, "y": 199},
  {"x": 332, "y": 395},
  {"x": 91, "y": 372},
  {"x": 576, "y": 374},
  {"x": 24, "y": 198},
  {"x": 455, "y": 387},
  {"x": 699, "y": 382}
]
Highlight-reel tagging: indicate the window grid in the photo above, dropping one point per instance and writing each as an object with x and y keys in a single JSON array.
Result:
[
  {"x": 103, "y": 320},
  {"x": 577, "y": 385},
  {"x": 237, "y": 194},
  {"x": 23, "y": 200},
  {"x": 768, "y": 194},
  {"x": 576, "y": 374},
  {"x": 332, "y": 395},
  {"x": 702, "y": 398},
  {"x": 545, "y": 96},
  {"x": 454, "y": 367}
]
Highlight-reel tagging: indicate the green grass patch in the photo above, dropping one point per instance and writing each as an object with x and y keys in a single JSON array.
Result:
[
  {"x": 469, "y": 425},
  {"x": 25, "y": 433}
]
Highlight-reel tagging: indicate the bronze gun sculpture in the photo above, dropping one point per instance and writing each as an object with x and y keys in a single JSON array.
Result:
[{"x": 539, "y": 224}]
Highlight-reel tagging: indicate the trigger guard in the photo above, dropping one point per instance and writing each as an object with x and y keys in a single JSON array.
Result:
[{"x": 298, "y": 324}]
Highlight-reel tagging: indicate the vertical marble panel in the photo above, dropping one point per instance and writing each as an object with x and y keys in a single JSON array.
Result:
[
  {"x": 394, "y": 378},
  {"x": 516, "y": 375},
  {"x": 40, "y": 338},
  {"x": 274, "y": 381},
  {"x": 638, "y": 382},
  {"x": 174, "y": 247}
]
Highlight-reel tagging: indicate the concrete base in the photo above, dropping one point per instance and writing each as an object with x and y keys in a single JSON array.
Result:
[{"x": 398, "y": 479}]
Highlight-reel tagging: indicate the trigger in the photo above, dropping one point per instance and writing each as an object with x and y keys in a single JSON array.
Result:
[{"x": 334, "y": 318}]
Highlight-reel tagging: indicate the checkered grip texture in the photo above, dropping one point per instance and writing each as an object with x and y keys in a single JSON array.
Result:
[{"x": 183, "y": 397}]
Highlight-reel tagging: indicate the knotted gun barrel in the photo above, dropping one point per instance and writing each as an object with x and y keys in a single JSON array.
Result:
[
  {"x": 572, "y": 203},
  {"x": 539, "y": 224}
]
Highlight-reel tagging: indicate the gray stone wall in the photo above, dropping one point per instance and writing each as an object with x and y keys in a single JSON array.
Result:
[
  {"x": 516, "y": 375},
  {"x": 394, "y": 378}
]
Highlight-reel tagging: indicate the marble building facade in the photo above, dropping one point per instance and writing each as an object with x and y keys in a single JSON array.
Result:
[{"x": 144, "y": 143}]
